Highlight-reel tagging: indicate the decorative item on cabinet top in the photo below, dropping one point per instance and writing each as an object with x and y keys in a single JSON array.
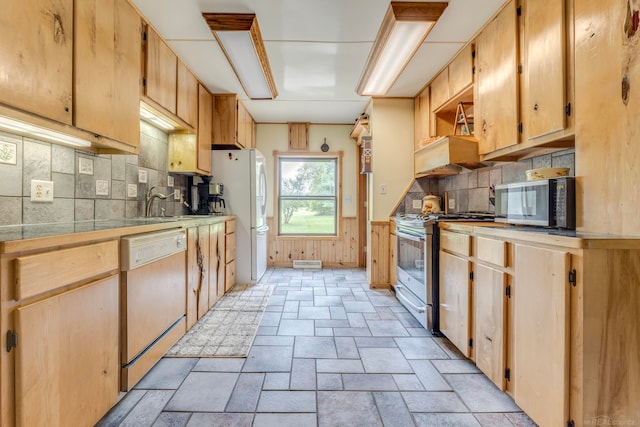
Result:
[{"x": 366, "y": 155}]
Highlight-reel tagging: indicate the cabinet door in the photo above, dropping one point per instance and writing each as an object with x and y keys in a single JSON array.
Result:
[
  {"x": 205, "y": 117},
  {"x": 496, "y": 89},
  {"x": 489, "y": 319},
  {"x": 161, "y": 72},
  {"x": 197, "y": 273},
  {"x": 107, "y": 44},
  {"x": 187, "y": 95},
  {"x": 545, "y": 90},
  {"x": 222, "y": 267},
  {"x": 67, "y": 357},
  {"x": 298, "y": 136},
  {"x": 454, "y": 300},
  {"x": 214, "y": 263},
  {"x": 36, "y": 41},
  {"x": 422, "y": 115},
  {"x": 440, "y": 89},
  {"x": 242, "y": 125},
  {"x": 225, "y": 120},
  {"x": 541, "y": 334},
  {"x": 461, "y": 71}
]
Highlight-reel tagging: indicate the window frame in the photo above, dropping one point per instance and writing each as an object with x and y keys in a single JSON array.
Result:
[{"x": 338, "y": 197}]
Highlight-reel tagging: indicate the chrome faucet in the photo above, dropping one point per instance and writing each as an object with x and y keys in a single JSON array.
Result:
[{"x": 150, "y": 197}]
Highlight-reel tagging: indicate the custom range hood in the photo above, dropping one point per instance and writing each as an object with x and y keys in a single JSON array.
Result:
[{"x": 448, "y": 155}]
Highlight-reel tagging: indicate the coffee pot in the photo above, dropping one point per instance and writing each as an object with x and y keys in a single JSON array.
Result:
[{"x": 431, "y": 204}]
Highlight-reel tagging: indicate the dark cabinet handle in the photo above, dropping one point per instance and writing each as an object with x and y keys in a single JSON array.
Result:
[{"x": 535, "y": 107}]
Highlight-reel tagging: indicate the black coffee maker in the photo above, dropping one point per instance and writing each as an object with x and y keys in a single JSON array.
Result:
[{"x": 203, "y": 196}]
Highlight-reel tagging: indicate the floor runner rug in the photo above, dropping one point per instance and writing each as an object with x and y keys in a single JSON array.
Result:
[{"x": 229, "y": 327}]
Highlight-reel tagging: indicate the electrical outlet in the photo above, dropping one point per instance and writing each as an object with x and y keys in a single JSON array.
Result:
[
  {"x": 452, "y": 203},
  {"x": 417, "y": 204},
  {"x": 177, "y": 195},
  {"x": 41, "y": 191},
  {"x": 170, "y": 181},
  {"x": 383, "y": 188},
  {"x": 142, "y": 176}
]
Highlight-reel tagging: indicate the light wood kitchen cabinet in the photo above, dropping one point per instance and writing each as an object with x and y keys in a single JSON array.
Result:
[
  {"x": 107, "y": 36},
  {"x": 544, "y": 91},
  {"x": 440, "y": 89},
  {"x": 232, "y": 123},
  {"x": 298, "y": 136},
  {"x": 36, "y": 38},
  {"x": 187, "y": 95},
  {"x": 197, "y": 273},
  {"x": 216, "y": 262},
  {"x": 541, "y": 333},
  {"x": 230, "y": 254},
  {"x": 461, "y": 71},
  {"x": 491, "y": 290},
  {"x": 68, "y": 350},
  {"x": 455, "y": 290},
  {"x": 422, "y": 118},
  {"x": 191, "y": 153},
  {"x": 496, "y": 115},
  {"x": 160, "y": 74}
]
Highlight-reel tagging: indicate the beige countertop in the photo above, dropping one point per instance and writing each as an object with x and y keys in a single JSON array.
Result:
[
  {"x": 547, "y": 236},
  {"x": 28, "y": 237}
]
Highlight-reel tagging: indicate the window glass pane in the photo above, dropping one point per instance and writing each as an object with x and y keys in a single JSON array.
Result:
[
  {"x": 307, "y": 177},
  {"x": 307, "y": 217}
]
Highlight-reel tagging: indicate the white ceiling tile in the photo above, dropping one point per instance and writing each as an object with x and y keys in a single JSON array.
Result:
[{"x": 301, "y": 111}]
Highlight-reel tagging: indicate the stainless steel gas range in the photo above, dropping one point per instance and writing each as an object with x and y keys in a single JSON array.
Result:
[{"x": 418, "y": 259}]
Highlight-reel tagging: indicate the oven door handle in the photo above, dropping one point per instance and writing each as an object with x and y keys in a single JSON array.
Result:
[
  {"x": 406, "y": 301},
  {"x": 410, "y": 236}
]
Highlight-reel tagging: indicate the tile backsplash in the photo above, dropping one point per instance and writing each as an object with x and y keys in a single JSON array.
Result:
[
  {"x": 75, "y": 197},
  {"x": 470, "y": 190}
]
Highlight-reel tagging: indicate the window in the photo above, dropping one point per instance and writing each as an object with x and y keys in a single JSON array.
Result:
[{"x": 308, "y": 195}]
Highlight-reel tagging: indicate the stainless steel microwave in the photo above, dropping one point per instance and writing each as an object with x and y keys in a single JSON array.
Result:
[{"x": 546, "y": 202}]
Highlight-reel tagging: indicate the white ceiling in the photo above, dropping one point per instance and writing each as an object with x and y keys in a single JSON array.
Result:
[{"x": 317, "y": 50}]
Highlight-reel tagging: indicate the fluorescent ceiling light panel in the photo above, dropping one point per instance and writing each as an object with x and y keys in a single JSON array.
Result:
[
  {"x": 240, "y": 39},
  {"x": 404, "y": 28},
  {"x": 41, "y": 133}
]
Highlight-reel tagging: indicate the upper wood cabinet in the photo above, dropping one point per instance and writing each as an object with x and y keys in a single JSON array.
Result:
[
  {"x": 187, "y": 95},
  {"x": 422, "y": 115},
  {"x": 544, "y": 94},
  {"x": 440, "y": 89},
  {"x": 160, "y": 74},
  {"x": 298, "y": 136},
  {"x": 232, "y": 123},
  {"x": 461, "y": 71},
  {"x": 496, "y": 88},
  {"x": 107, "y": 44},
  {"x": 36, "y": 41},
  {"x": 189, "y": 152}
]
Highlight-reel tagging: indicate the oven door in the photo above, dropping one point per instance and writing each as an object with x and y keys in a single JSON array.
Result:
[{"x": 414, "y": 275}]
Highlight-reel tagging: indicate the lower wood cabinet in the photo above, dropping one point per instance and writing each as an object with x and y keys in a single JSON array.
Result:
[
  {"x": 541, "y": 333},
  {"x": 230, "y": 254},
  {"x": 197, "y": 273},
  {"x": 455, "y": 322},
  {"x": 216, "y": 263},
  {"x": 67, "y": 361}
]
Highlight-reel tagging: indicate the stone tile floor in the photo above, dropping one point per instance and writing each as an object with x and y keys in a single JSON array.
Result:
[{"x": 329, "y": 352}]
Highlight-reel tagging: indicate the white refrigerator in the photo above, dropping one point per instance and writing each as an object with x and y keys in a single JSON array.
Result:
[{"x": 243, "y": 174}]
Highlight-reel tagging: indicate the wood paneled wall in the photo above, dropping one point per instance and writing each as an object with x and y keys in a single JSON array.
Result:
[
  {"x": 333, "y": 252},
  {"x": 378, "y": 254}
]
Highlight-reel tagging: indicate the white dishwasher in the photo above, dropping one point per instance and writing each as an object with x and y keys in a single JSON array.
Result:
[{"x": 152, "y": 299}]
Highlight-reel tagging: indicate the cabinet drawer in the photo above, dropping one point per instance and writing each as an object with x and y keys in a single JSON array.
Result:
[
  {"x": 493, "y": 251},
  {"x": 455, "y": 242},
  {"x": 44, "y": 272},
  {"x": 230, "y": 247},
  {"x": 230, "y": 226},
  {"x": 230, "y": 275}
]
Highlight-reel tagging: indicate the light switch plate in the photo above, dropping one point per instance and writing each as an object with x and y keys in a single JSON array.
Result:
[
  {"x": 383, "y": 188},
  {"x": 41, "y": 191},
  {"x": 417, "y": 204},
  {"x": 142, "y": 176},
  {"x": 132, "y": 190},
  {"x": 170, "y": 181},
  {"x": 452, "y": 203}
]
